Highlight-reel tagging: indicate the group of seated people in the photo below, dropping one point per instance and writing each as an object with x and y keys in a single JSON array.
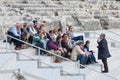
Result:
[{"x": 63, "y": 44}]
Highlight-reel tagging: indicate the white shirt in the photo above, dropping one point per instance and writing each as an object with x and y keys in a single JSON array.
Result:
[{"x": 32, "y": 31}]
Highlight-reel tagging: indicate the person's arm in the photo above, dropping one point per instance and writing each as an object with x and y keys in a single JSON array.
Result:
[
  {"x": 79, "y": 50},
  {"x": 14, "y": 31},
  {"x": 25, "y": 30},
  {"x": 53, "y": 46},
  {"x": 32, "y": 32},
  {"x": 92, "y": 51},
  {"x": 102, "y": 44}
]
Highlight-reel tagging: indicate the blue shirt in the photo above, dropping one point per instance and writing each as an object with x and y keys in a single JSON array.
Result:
[{"x": 15, "y": 31}]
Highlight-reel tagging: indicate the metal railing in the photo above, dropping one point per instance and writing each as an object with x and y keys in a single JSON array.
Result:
[
  {"x": 39, "y": 55},
  {"x": 113, "y": 33},
  {"x": 61, "y": 68}
]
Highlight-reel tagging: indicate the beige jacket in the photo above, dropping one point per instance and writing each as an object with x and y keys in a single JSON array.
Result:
[{"x": 75, "y": 52}]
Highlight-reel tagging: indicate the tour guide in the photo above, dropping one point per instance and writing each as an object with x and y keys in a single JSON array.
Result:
[{"x": 103, "y": 52}]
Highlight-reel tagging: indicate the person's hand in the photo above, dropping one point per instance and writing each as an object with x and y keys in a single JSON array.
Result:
[
  {"x": 32, "y": 35},
  {"x": 92, "y": 51},
  {"x": 28, "y": 35},
  {"x": 60, "y": 48},
  {"x": 97, "y": 41},
  {"x": 86, "y": 53},
  {"x": 65, "y": 50},
  {"x": 47, "y": 39}
]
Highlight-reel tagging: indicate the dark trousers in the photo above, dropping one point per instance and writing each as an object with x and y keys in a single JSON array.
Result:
[
  {"x": 78, "y": 38},
  {"x": 41, "y": 45},
  {"x": 66, "y": 55},
  {"x": 83, "y": 59},
  {"x": 16, "y": 42},
  {"x": 30, "y": 39},
  {"x": 91, "y": 58},
  {"x": 104, "y": 61}
]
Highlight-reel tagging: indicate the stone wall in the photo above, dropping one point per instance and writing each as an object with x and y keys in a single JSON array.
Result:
[{"x": 81, "y": 14}]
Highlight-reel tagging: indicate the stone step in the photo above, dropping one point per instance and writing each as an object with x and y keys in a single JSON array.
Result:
[{"x": 5, "y": 58}]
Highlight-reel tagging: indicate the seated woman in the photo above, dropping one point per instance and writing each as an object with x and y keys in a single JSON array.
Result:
[
  {"x": 66, "y": 45},
  {"x": 70, "y": 31},
  {"x": 78, "y": 53},
  {"x": 60, "y": 32},
  {"x": 91, "y": 57},
  {"x": 55, "y": 31},
  {"x": 37, "y": 41},
  {"x": 59, "y": 40},
  {"x": 73, "y": 38},
  {"x": 54, "y": 47}
]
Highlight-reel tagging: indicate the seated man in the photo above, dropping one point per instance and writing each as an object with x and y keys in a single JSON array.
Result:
[
  {"x": 31, "y": 31},
  {"x": 15, "y": 31},
  {"x": 91, "y": 57},
  {"x": 24, "y": 33},
  {"x": 79, "y": 54}
]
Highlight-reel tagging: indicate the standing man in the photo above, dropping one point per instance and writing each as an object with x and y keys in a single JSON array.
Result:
[{"x": 103, "y": 52}]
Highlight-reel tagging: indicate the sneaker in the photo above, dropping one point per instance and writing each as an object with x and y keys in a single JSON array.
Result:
[{"x": 82, "y": 67}]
